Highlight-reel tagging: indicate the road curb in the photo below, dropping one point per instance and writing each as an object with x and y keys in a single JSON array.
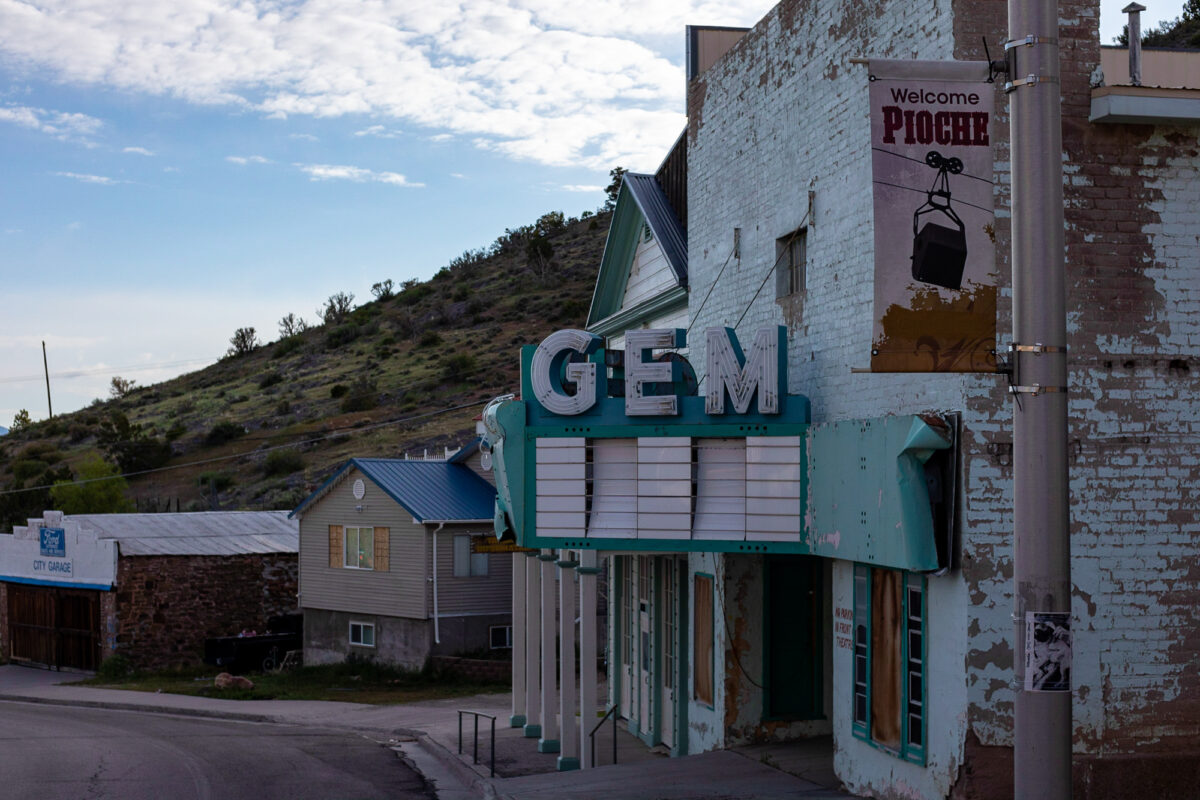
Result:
[
  {"x": 449, "y": 763},
  {"x": 148, "y": 709}
]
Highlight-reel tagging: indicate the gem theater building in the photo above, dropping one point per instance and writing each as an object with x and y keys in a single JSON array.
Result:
[{"x": 786, "y": 430}]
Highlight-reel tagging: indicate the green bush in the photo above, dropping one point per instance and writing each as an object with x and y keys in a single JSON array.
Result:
[
  {"x": 220, "y": 481},
  {"x": 458, "y": 367},
  {"x": 282, "y": 462},
  {"x": 224, "y": 432},
  {"x": 430, "y": 339},
  {"x": 115, "y": 667},
  {"x": 362, "y": 396},
  {"x": 269, "y": 379},
  {"x": 341, "y": 335},
  {"x": 287, "y": 346},
  {"x": 28, "y": 468},
  {"x": 283, "y": 407},
  {"x": 338, "y": 390}
]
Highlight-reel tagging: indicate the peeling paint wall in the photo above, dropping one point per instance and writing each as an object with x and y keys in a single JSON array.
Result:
[{"x": 785, "y": 112}]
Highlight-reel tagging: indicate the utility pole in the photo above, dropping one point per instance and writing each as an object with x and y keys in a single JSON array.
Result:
[
  {"x": 46, "y": 367},
  {"x": 1042, "y": 546}
]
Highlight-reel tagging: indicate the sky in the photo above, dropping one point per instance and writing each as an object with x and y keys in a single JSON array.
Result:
[{"x": 173, "y": 171}]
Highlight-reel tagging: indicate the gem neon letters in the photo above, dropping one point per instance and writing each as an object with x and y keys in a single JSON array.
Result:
[{"x": 729, "y": 371}]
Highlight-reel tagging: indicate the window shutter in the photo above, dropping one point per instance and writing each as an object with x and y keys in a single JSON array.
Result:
[
  {"x": 382, "y": 539},
  {"x": 783, "y": 278},
  {"x": 335, "y": 545}
]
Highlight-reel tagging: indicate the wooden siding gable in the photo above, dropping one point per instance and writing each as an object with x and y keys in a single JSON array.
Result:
[{"x": 396, "y": 586}]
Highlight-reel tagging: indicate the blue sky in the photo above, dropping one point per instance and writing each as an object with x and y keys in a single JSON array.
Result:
[{"x": 173, "y": 171}]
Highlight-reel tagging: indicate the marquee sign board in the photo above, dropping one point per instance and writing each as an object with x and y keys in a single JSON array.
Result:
[{"x": 662, "y": 470}]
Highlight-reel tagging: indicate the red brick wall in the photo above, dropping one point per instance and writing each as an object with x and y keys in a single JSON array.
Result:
[{"x": 167, "y": 606}]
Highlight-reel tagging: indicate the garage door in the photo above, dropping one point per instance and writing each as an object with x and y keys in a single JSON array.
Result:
[{"x": 54, "y": 627}]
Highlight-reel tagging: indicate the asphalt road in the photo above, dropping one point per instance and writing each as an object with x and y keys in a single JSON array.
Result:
[{"x": 50, "y": 752}]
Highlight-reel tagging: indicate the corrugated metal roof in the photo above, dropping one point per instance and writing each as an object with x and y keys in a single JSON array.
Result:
[
  {"x": 661, "y": 218},
  {"x": 203, "y": 533},
  {"x": 432, "y": 491}
]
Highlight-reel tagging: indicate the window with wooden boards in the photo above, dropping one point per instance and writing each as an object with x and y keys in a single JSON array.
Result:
[
  {"x": 358, "y": 547},
  {"x": 702, "y": 650},
  {"x": 889, "y": 660}
]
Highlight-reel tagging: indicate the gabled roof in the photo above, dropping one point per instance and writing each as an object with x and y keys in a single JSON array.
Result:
[
  {"x": 203, "y": 533},
  {"x": 641, "y": 200},
  {"x": 662, "y": 219},
  {"x": 432, "y": 491}
]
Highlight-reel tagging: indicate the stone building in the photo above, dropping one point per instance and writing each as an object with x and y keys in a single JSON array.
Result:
[
  {"x": 76, "y": 589},
  {"x": 888, "y": 630}
]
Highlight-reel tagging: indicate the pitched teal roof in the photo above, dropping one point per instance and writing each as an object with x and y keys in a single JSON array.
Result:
[{"x": 432, "y": 491}]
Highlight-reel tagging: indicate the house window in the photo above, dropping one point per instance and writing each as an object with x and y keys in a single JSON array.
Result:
[
  {"x": 791, "y": 256},
  {"x": 889, "y": 660},
  {"x": 362, "y": 634},
  {"x": 466, "y": 563},
  {"x": 647, "y": 234},
  {"x": 500, "y": 637},
  {"x": 702, "y": 630},
  {"x": 360, "y": 548}
]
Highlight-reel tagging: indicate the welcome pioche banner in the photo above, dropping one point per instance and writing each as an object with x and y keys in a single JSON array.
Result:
[{"x": 932, "y": 174}]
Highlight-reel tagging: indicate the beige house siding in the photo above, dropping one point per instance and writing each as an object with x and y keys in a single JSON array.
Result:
[
  {"x": 490, "y": 594},
  {"x": 401, "y": 591}
]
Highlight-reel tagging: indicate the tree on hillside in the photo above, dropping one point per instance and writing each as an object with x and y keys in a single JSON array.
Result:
[
  {"x": 383, "y": 290},
  {"x": 129, "y": 446},
  {"x": 121, "y": 386},
  {"x": 1179, "y": 34},
  {"x": 616, "y": 175},
  {"x": 539, "y": 251},
  {"x": 243, "y": 341},
  {"x": 290, "y": 325},
  {"x": 336, "y": 308},
  {"x": 98, "y": 489},
  {"x": 21, "y": 420}
]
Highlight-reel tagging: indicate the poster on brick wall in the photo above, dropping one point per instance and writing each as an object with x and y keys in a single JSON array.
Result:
[{"x": 932, "y": 176}]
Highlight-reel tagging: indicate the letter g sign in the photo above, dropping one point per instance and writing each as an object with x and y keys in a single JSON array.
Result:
[{"x": 547, "y": 370}]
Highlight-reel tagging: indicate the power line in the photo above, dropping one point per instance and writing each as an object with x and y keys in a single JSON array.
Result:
[
  {"x": 81, "y": 373},
  {"x": 332, "y": 434}
]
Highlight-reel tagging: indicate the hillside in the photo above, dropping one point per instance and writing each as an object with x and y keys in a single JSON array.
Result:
[{"x": 265, "y": 428}]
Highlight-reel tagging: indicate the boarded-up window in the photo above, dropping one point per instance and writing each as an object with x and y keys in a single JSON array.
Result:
[
  {"x": 335, "y": 545},
  {"x": 885, "y": 657},
  {"x": 702, "y": 630},
  {"x": 382, "y": 548}
]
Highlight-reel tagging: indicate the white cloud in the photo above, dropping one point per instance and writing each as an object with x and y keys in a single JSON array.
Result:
[
  {"x": 458, "y": 175},
  {"x": 98, "y": 179},
  {"x": 441, "y": 137},
  {"x": 582, "y": 187},
  {"x": 306, "y": 137},
  {"x": 378, "y": 131},
  {"x": 62, "y": 125},
  {"x": 140, "y": 151},
  {"x": 331, "y": 172},
  {"x": 247, "y": 160},
  {"x": 557, "y": 83}
]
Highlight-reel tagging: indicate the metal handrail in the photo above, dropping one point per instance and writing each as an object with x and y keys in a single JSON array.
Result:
[
  {"x": 592, "y": 735},
  {"x": 476, "y": 715}
]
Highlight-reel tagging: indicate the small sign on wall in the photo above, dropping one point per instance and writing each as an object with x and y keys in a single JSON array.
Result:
[
  {"x": 1048, "y": 651},
  {"x": 53, "y": 542}
]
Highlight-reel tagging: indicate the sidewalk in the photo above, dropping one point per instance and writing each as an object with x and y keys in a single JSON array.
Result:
[{"x": 427, "y": 735}]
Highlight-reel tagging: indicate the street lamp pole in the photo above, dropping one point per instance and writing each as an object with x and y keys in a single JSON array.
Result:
[{"x": 1041, "y": 519}]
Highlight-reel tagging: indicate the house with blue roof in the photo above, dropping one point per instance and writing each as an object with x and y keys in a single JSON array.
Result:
[{"x": 391, "y": 566}]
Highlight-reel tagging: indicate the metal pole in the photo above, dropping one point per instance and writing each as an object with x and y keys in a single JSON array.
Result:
[
  {"x": 460, "y": 733},
  {"x": 46, "y": 367},
  {"x": 1041, "y": 552},
  {"x": 475, "y": 757},
  {"x": 493, "y": 747},
  {"x": 1134, "y": 10}
]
